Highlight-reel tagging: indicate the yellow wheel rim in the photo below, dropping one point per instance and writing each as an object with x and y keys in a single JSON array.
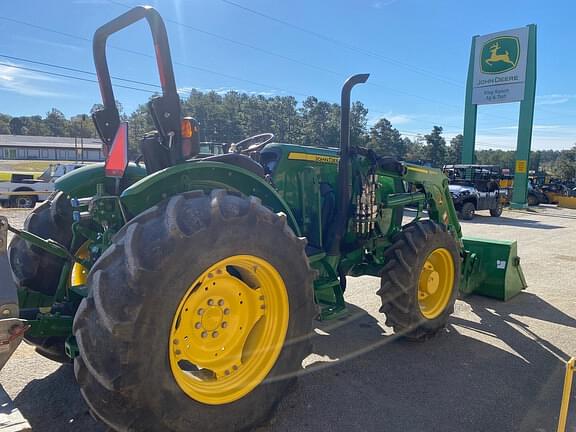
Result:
[
  {"x": 79, "y": 273},
  {"x": 436, "y": 283},
  {"x": 229, "y": 329}
]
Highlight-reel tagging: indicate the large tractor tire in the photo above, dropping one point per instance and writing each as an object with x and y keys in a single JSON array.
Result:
[
  {"x": 37, "y": 270},
  {"x": 198, "y": 318},
  {"x": 419, "y": 282}
]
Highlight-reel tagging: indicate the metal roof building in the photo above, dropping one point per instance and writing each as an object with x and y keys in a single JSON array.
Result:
[{"x": 25, "y": 147}]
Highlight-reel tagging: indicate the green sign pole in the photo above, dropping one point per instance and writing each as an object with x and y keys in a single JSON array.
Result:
[
  {"x": 470, "y": 112},
  {"x": 524, "y": 144}
]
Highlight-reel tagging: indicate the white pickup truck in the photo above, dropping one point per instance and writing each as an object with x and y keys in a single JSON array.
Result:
[{"x": 24, "y": 191}]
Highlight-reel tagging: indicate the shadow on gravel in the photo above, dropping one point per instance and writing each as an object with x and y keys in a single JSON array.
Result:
[
  {"x": 493, "y": 375},
  {"x": 503, "y": 220},
  {"x": 54, "y": 404}
]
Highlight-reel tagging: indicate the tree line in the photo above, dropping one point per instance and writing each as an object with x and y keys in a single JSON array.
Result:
[{"x": 233, "y": 116}]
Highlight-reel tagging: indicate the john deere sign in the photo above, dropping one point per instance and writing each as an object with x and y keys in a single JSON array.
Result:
[{"x": 500, "y": 67}]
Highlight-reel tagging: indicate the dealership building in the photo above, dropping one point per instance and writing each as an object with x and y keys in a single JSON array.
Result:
[{"x": 24, "y": 147}]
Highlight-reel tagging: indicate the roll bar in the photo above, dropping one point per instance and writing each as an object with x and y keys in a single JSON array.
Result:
[{"x": 166, "y": 109}]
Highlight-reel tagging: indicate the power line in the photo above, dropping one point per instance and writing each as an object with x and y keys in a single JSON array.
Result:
[
  {"x": 309, "y": 65},
  {"x": 344, "y": 44},
  {"x": 404, "y": 132},
  {"x": 225, "y": 75},
  {"x": 193, "y": 67},
  {"x": 70, "y": 76},
  {"x": 71, "y": 69}
]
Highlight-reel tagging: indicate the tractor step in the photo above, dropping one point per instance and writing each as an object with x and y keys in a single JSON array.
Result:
[
  {"x": 11, "y": 419},
  {"x": 492, "y": 268},
  {"x": 12, "y": 328}
]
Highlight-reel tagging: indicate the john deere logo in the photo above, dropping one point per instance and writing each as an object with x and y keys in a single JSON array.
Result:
[{"x": 500, "y": 55}]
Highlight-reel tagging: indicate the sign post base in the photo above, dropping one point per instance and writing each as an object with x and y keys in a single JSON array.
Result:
[{"x": 518, "y": 206}]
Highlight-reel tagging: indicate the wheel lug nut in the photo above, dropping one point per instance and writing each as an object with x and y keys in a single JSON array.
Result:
[
  {"x": 220, "y": 302},
  {"x": 200, "y": 311},
  {"x": 226, "y": 372},
  {"x": 262, "y": 307},
  {"x": 261, "y": 297},
  {"x": 226, "y": 311},
  {"x": 176, "y": 342},
  {"x": 210, "y": 302},
  {"x": 204, "y": 334},
  {"x": 198, "y": 325},
  {"x": 224, "y": 324},
  {"x": 177, "y": 352},
  {"x": 215, "y": 334},
  {"x": 235, "y": 367}
]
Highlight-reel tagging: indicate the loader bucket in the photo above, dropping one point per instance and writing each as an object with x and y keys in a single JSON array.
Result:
[
  {"x": 492, "y": 268},
  {"x": 11, "y": 327}
]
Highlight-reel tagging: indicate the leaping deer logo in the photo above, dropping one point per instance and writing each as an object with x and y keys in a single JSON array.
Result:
[{"x": 495, "y": 57}]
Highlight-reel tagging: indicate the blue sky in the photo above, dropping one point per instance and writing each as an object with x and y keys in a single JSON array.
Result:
[{"x": 416, "y": 51}]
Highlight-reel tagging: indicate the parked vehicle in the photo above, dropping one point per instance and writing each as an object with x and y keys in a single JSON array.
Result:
[
  {"x": 24, "y": 191},
  {"x": 474, "y": 188}
]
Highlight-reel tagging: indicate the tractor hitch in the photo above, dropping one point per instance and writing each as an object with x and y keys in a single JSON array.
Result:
[{"x": 12, "y": 328}]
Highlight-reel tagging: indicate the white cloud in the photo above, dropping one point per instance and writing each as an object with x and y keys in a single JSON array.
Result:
[
  {"x": 554, "y": 99},
  {"x": 398, "y": 119},
  {"x": 535, "y": 127},
  {"x": 379, "y": 4},
  {"x": 395, "y": 119},
  {"x": 24, "y": 82},
  {"x": 557, "y": 137}
]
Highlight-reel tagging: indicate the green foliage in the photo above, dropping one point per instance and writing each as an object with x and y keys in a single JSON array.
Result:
[
  {"x": 455, "y": 149},
  {"x": 386, "y": 140},
  {"x": 435, "y": 150},
  {"x": 233, "y": 116}
]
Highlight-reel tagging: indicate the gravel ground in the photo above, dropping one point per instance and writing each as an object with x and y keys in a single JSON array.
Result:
[{"x": 497, "y": 367}]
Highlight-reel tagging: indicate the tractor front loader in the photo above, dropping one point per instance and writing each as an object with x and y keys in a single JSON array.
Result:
[{"x": 185, "y": 292}]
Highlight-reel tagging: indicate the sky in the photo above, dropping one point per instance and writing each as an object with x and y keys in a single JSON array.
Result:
[{"x": 417, "y": 53}]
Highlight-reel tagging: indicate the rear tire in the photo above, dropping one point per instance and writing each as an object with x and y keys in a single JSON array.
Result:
[
  {"x": 532, "y": 200},
  {"x": 138, "y": 285},
  {"x": 37, "y": 270},
  {"x": 468, "y": 210},
  {"x": 32, "y": 267},
  {"x": 497, "y": 212},
  {"x": 401, "y": 281}
]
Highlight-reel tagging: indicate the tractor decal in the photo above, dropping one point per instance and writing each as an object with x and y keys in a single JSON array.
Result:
[{"x": 314, "y": 157}]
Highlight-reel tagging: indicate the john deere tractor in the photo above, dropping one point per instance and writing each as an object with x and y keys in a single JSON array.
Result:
[{"x": 185, "y": 291}]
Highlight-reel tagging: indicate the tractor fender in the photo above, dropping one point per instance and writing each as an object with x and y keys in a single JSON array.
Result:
[
  {"x": 81, "y": 183},
  {"x": 203, "y": 175}
]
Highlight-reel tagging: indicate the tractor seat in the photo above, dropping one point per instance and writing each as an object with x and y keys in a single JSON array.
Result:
[{"x": 238, "y": 160}]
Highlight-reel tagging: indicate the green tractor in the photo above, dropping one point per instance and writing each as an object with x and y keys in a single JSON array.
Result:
[{"x": 185, "y": 292}]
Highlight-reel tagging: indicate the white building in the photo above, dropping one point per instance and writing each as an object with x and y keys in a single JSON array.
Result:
[{"x": 24, "y": 147}]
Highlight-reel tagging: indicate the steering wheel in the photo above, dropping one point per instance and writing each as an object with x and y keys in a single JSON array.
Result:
[{"x": 252, "y": 144}]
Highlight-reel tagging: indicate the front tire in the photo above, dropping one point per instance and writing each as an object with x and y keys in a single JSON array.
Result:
[
  {"x": 468, "y": 210},
  {"x": 152, "y": 339},
  {"x": 419, "y": 282},
  {"x": 24, "y": 201}
]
